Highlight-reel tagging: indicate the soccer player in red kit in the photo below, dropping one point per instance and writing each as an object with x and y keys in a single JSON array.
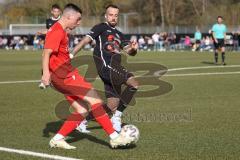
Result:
[{"x": 58, "y": 71}]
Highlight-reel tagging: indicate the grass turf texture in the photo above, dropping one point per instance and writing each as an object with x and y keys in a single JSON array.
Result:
[{"x": 198, "y": 119}]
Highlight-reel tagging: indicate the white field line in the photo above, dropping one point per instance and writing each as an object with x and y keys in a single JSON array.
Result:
[
  {"x": 35, "y": 154},
  {"x": 203, "y": 67},
  {"x": 56, "y": 157},
  {"x": 14, "y": 82},
  {"x": 200, "y": 74},
  {"x": 158, "y": 73}
]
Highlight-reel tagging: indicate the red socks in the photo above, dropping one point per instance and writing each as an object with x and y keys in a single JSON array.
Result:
[
  {"x": 70, "y": 124},
  {"x": 75, "y": 119},
  {"x": 102, "y": 118}
]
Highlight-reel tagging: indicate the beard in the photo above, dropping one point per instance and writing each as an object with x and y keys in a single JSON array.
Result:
[{"x": 113, "y": 23}]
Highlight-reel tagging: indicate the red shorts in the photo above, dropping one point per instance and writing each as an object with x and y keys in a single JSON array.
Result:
[{"x": 74, "y": 86}]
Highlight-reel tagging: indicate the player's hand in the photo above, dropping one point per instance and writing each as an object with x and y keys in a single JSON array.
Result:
[
  {"x": 46, "y": 79},
  {"x": 71, "y": 56},
  {"x": 134, "y": 45},
  {"x": 216, "y": 41},
  {"x": 133, "y": 48}
]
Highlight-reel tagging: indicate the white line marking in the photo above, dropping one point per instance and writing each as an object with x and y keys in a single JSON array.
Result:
[
  {"x": 202, "y": 67},
  {"x": 13, "y": 82},
  {"x": 200, "y": 74},
  {"x": 158, "y": 73},
  {"x": 35, "y": 154}
]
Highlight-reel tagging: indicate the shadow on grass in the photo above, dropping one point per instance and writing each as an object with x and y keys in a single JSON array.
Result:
[
  {"x": 210, "y": 63},
  {"x": 53, "y": 127}
]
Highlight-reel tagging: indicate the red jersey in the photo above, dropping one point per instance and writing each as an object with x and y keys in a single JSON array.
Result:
[{"x": 59, "y": 62}]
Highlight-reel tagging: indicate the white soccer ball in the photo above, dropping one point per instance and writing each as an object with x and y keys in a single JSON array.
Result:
[{"x": 130, "y": 131}]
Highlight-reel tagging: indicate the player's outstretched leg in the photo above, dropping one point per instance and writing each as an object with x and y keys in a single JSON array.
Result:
[
  {"x": 126, "y": 97},
  {"x": 102, "y": 118},
  {"x": 58, "y": 141}
]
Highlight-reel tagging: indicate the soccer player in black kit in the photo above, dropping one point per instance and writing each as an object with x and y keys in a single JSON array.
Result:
[
  {"x": 107, "y": 57},
  {"x": 56, "y": 15}
]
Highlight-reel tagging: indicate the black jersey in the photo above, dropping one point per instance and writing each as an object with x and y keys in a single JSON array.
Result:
[
  {"x": 51, "y": 21},
  {"x": 109, "y": 42}
]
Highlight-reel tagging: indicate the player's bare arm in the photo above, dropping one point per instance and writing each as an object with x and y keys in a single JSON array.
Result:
[
  {"x": 80, "y": 45},
  {"x": 45, "y": 65}
]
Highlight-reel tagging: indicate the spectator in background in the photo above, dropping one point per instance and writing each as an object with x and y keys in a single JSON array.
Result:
[
  {"x": 25, "y": 45},
  {"x": 165, "y": 41},
  {"x": 150, "y": 43},
  {"x": 207, "y": 44},
  {"x": 1, "y": 42},
  {"x": 75, "y": 41},
  {"x": 187, "y": 42},
  {"x": 71, "y": 40},
  {"x": 5, "y": 43},
  {"x": 235, "y": 41},
  {"x": 156, "y": 38},
  {"x": 41, "y": 43},
  {"x": 197, "y": 38},
  {"x": 172, "y": 41},
  {"x": 133, "y": 38},
  {"x": 21, "y": 43},
  {"x": 141, "y": 43},
  {"x": 35, "y": 42},
  {"x": 12, "y": 44},
  {"x": 161, "y": 41}
]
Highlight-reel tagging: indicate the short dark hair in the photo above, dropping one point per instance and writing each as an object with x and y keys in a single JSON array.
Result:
[
  {"x": 220, "y": 17},
  {"x": 112, "y": 6},
  {"x": 56, "y": 6},
  {"x": 73, "y": 7}
]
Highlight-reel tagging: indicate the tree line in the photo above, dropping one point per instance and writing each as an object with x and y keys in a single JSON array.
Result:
[{"x": 150, "y": 12}]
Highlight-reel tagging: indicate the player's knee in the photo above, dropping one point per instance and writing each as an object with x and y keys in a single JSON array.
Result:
[
  {"x": 96, "y": 101},
  {"x": 112, "y": 106},
  {"x": 92, "y": 97},
  {"x": 84, "y": 114},
  {"x": 133, "y": 83}
]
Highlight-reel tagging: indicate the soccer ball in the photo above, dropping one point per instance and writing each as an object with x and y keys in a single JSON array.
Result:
[{"x": 130, "y": 131}]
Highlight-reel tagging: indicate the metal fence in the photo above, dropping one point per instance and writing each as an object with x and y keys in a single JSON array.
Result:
[{"x": 30, "y": 25}]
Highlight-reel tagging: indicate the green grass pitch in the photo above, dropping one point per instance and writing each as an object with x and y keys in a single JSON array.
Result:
[{"x": 198, "y": 119}]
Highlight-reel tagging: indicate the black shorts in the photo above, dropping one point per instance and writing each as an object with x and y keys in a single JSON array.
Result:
[
  {"x": 220, "y": 43},
  {"x": 113, "y": 77}
]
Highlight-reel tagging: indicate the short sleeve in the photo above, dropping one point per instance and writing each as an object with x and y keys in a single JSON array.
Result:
[
  {"x": 214, "y": 28},
  {"x": 53, "y": 39},
  {"x": 96, "y": 31},
  {"x": 225, "y": 28}
]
